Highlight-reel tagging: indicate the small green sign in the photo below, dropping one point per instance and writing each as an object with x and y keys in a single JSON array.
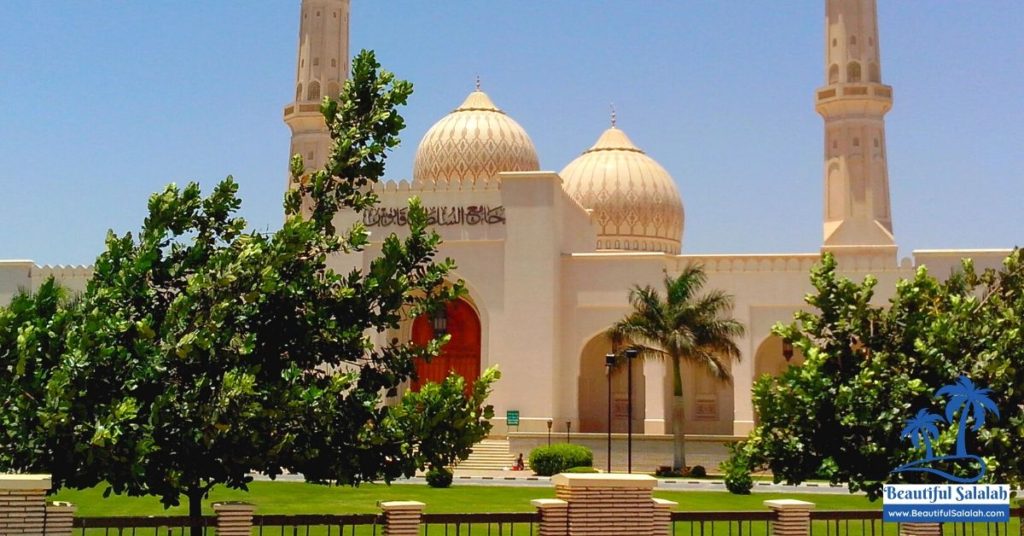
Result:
[{"x": 512, "y": 417}]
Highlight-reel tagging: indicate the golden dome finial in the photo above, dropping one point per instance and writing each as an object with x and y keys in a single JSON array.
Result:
[
  {"x": 612, "y": 106},
  {"x": 478, "y": 82}
]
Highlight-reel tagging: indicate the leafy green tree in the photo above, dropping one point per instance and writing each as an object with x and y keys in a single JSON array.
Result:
[
  {"x": 683, "y": 326},
  {"x": 201, "y": 352},
  {"x": 869, "y": 367}
]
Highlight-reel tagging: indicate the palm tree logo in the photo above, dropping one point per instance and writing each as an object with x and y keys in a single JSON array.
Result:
[
  {"x": 969, "y": 401},
  {"x": 921, "y": 429}
]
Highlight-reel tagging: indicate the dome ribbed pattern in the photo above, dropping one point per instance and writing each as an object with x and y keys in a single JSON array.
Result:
[
  {"x": 635, "y": 203},
  {"x": 473, "y": 143}
]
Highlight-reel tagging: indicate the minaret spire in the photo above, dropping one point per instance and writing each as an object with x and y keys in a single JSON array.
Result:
[
  {"x": 322, "y": 68},
  {"x": 853, "y": 102}
]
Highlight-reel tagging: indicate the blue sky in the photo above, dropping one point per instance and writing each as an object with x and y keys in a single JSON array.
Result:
[{"x": 104, "y": 103}]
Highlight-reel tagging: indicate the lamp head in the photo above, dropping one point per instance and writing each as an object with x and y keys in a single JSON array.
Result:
[
  {"x": 631, "y": 353},
  {"x": 787, "y": 349}
]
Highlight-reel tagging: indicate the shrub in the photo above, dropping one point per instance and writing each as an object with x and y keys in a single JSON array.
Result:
[
  {"x": 581, "y": 470},
  {"x": 736, "y": 470},
  {"x": 547, "y": 461},
  {"x": 439, "y": 477},
  {"x": 698, "y": 471},
  {"x": 666, "y": 471}
]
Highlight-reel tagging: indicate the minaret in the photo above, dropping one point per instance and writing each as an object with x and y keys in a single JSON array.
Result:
[
  {"x": 322, "y": 69},
  {"x": 858, "y": 218}
]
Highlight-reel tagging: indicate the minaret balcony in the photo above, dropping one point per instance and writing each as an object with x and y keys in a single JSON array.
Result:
[{"x": 862, "y": 95}]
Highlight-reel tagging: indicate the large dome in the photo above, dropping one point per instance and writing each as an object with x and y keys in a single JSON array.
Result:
[
  {"x": 635, "y": 203},
  {"x": 475, "y": 142}
]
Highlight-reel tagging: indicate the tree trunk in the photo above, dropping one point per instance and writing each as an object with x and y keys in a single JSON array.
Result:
[
  {"x": 678, "y": 417},
  {"x": 195, "y": 511},
  {"x": 678, "y": 439}
]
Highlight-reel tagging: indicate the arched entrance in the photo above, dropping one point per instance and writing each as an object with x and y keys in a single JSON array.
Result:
[
  {"x": 593, "y": 390},
  {"x": 771, "y": 360},
  {"x": 461, "y": 354}
]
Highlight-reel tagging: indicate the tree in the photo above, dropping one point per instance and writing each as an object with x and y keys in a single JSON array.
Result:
[
  {"x": 871, "y": 366},
  {"x": 682, "y": 326},
  {"x": 201, "y": 352}
]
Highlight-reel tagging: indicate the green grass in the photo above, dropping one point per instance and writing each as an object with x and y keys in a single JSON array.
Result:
[{"x": 302, "y": 498}]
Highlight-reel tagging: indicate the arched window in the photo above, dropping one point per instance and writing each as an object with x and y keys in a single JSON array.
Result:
[
  {"x": 314, "y": 91},
  {"x": 853, "y": 72},
  {"x": 874, "y": 74},
  {"x": 833, "y": 74},
  {"x": 333, "y": 89},
  {"x": 298, "y": 92}
]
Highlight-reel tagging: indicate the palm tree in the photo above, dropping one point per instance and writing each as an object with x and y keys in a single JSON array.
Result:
[
  {"x": 682, "y": 326},
  {"x": 971, "y": 401},
  {"x": 921, "y": 427}
]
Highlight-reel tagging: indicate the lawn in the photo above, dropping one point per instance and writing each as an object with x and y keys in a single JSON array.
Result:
[{"x": 302, "y": 498}]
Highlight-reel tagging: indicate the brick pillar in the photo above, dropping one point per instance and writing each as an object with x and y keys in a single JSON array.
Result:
[
  {"x": 234, "y": 518},
  {"x": 402, "y": 518},
  {"x": 663, "y": 517},
  {"x": 59, "y": 518},
  {"x": 792, "y": 518},
  {"x": 603, "y": 504},
  {"x": 924, "y": 529},
  {"x": 553, "y": 516},
  {"x": 23, "y": 503}
]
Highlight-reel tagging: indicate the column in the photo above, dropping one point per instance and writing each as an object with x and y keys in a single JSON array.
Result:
[
  {"x": 654, "y": 397},
  {"x": 23, "y": 504},
  {"x": 234, "y": 518},
  {"x": 792, "y": 518},
  {"x": 603, "y": 504},
  {"x": 402, "y": 518},
  {"x": 663, "y": 517},
  {"x": 60, "y": 516},
  {"x": 923, "y": 529},
  {"x": 553, "y": 516}
]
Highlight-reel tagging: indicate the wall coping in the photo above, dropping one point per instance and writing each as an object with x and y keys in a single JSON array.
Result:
[
  {"x": 604, "y": 480},
  {"x": 789, "y": 504},
  {"x": 388, "y": 506},
  {"x": 548, "y": 503},
  {"x": 664, "y": 502},
  {"x": 25, "y": 482},
  {"x": 234, "y": 507}
]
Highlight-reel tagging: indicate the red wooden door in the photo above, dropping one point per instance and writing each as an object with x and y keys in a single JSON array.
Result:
[{"x": 461, "y": 354}]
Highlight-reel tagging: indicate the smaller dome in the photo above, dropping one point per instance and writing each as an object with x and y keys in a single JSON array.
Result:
[
  {"x": 633, "y": 200},
  {"x": 475, "y": 142}
]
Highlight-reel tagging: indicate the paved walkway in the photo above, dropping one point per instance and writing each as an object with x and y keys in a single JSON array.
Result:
[{"x": 525, "y": 479}]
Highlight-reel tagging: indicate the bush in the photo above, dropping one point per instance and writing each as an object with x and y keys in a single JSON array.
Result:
[
  {"x": 581, "y": 470},
  {"x": 736, "y": 470},
  {"x": 547, "y": 461},
  {"x": 698, "y": 471},
  {"x": 666, "y": 471},
  {"x": 439, "y": 477}
]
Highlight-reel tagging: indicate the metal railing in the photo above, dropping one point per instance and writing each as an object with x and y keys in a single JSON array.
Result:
[
  {"x": 869, "y": 523},
  {"x": 142, "y": 525},
  {"x": 751, "y": 523},
  {"x": 318, "y": 525},
  {"x": 488, "y": 524}
]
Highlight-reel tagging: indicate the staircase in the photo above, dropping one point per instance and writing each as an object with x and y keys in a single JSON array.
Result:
[{"x": 488, "y": 455}]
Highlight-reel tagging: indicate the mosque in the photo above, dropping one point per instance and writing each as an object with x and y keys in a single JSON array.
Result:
[{"x": 549, "y": 257}]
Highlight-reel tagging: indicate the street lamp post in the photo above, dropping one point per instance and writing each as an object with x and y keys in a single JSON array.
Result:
[
  {"x": 568, "y": 431},
  {"x": 550, "y": 424},
  {"x": 630, "y": 356},
  {"x": 609, "y": 363}
]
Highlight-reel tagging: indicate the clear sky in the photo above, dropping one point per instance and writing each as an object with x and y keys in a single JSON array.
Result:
[{"x": 106, "y": 102}]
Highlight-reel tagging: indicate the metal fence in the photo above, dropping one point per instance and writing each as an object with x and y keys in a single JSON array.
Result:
[
  {"x": 143, "y": 526},
  {"x": 753, "y": 523},
  {"x": 484, "y": 524}
]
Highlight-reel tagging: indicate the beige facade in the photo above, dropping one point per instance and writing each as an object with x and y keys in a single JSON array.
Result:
[{"x": 549, "y": 257}]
